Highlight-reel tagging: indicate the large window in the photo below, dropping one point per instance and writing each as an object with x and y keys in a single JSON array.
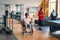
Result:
[
  {"x": 58, "y": 8},
  {"x": 33, "y": 9},
  {"x": 20, "y": 9},
  {"x": 52, "y": 6},
  {"x": 7, "y": 7},
  {"x": 17, "y": 8}
]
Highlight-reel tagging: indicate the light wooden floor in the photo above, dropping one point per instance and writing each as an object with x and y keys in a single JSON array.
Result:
[{"x": 37, "y": 35}]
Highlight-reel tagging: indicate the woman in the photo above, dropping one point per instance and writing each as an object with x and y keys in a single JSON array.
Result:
[{"x": 40, "y": 17}]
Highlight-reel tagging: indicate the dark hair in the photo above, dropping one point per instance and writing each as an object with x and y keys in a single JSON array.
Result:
[
  {"x": 41, "y": 8},
  {"x": 6, "y": 13},
  {"x": 26, "y": 14}
]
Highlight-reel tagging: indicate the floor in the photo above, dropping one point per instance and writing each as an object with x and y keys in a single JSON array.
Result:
[{"x": 17, "y": 35}]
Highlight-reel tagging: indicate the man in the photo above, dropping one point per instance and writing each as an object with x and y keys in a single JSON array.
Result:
[
  {"x": 6, "y": 13},
  {"x": 53, "y": 15}
]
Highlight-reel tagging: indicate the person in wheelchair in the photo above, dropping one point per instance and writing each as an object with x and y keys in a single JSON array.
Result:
[{"x": 27, "y": 23}]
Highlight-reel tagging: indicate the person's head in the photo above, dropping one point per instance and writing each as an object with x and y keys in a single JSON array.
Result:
[
  {"x": 41, "y": 8},
  {"x": 12, "y": 11},
  {"x": 26, "y": 14},
  {"x": 6, "y": 12},
  {"x": 53, "y": 10}
]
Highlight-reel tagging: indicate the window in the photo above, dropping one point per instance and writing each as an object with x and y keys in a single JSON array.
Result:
[
  {"x": 33, "y": 9},
  {"x": 58, "y": 8},
  {"x": 20, "y": 9},
  {"x": 52, "y": 6},
  {"x": 7, "y": 7},
  {"x": 17, "y": 8}
]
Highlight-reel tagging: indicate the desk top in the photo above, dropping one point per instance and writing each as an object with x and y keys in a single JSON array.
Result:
[{"x": 54, "y": 21}]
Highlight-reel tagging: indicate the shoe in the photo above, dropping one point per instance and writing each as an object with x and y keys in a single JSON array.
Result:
[{"x": 39, "y": 28}]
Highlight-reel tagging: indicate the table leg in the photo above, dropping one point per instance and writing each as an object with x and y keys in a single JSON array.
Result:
[{"x": 50, "y": 29}]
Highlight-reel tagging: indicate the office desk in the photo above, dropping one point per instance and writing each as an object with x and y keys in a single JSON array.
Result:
[{"x": 54, "y": 25}]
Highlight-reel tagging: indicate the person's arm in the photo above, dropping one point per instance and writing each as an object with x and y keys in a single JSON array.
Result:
[
  {"x": 56, "y": 14},
  {"x": 30, "y": 19}
]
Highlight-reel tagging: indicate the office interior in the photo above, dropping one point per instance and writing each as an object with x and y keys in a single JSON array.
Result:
[{"x": 50, "y": 28}]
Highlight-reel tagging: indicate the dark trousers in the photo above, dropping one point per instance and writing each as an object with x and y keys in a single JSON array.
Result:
[
  {"x": 40, "y": 23},
  {"x": 53, "y": 18},
  {"x": 4, "y": 17}
]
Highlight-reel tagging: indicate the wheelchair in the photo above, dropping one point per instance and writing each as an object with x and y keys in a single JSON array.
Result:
[{"x": 25, "y": 27}]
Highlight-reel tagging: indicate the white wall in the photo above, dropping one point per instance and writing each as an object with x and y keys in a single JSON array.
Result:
[{"x": 27, "y": 3}]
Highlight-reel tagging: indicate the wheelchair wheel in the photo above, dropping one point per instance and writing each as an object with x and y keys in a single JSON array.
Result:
[{"x": 31, "y": 31}]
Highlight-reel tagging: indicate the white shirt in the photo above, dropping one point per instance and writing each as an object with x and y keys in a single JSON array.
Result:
[
  {"x": 27, "y": 20},
  {"x": 54, "y": 13}
]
